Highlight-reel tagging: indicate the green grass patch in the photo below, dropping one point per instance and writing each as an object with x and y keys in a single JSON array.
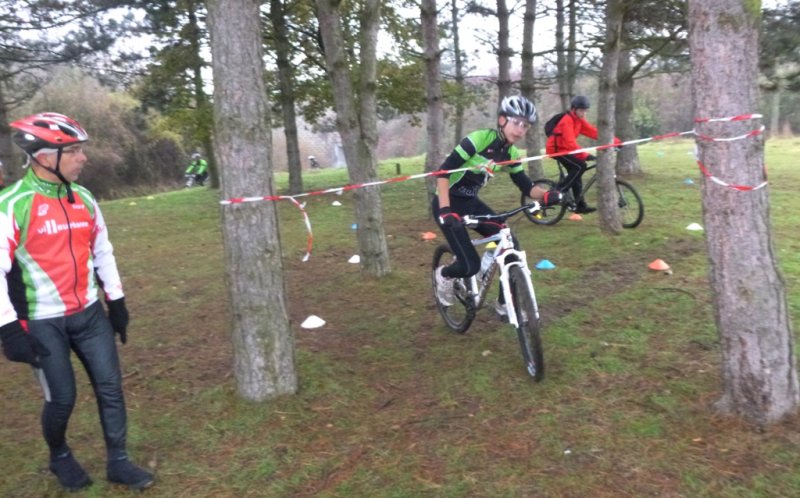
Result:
[{"x": 390, "y": 402}]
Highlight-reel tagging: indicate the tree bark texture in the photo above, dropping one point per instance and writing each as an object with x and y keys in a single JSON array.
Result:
[
  {"x": 433, "y": 89},
  {"x": 283, "y": 55},
  {"x": 356, "y": 121},
  {"x": 628, "y": 157},
  {"x": 610, "y": 221},
  {"x": 504, "y": 52},
  {"x": 561, "y": 57},
  {"x": 759, "y": 373},
  {"x": 10, "y": 159},
  {"x": 459, "y": 78},
  {"x": 262, "y": 339},
  {"x": 533, "y": 138}
]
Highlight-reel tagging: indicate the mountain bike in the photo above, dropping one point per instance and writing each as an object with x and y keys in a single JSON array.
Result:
[
  {"x": 516, "y": 284},
  {"x": 631, "y": 208}
]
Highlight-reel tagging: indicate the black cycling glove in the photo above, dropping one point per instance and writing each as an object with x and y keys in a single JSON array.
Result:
[
  {"x": 449, "y": 219},
  {"x": 119, "y": 318},
  {"x": 20, "y": 346}
]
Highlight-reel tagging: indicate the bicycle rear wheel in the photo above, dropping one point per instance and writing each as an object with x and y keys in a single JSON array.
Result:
[
  {"x": 460, "y": 315},
  {"x": 528, "y": 323},
  {"x": 631, "y": 208},
  {"x": 547, "y": 215}
]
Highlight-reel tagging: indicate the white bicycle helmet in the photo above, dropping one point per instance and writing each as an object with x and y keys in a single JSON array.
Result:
[{"x": 519, "y": 107}]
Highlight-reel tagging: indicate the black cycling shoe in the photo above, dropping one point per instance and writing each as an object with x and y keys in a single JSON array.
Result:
[
  {"x": 584, "y": 209},
  {"x": 124, "y": 472},
  {"x": 69, "y": 472}
]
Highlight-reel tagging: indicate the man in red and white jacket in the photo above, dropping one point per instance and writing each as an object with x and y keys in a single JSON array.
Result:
[{"x": 55, "y": 255}]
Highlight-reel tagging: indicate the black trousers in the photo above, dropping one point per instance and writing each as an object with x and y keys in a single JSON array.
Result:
[
  {"x": 468, "y": 261},
  {"x": 575, "y": 168},
  {"x": 89, "y": 334}
]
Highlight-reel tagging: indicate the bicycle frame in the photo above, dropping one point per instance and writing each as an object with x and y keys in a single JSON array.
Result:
[
  {"x": 522, "y": 310},
  {"x": 505, "y": 257},
  {"x": 562, "y": 174}
]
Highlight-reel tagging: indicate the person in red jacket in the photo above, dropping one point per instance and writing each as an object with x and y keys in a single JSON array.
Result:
[{"x": 565, "y": 138}]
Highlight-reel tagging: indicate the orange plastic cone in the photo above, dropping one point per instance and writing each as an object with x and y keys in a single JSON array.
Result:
[
  {"x": 658, "y": 265},
  {"x": 575, "y": 217},
  {"x": 428, "y": 235}
]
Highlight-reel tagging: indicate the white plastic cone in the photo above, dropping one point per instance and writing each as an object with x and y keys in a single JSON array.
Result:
[{"x": 312, "y": 322}]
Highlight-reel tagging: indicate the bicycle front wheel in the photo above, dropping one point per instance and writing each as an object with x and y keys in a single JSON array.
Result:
[
  {"x": 547, "y": 215},
  {"x": 631, "y": 208},
  {"x": 528, "y": 323},
  {"x": 460, "y": 315}
]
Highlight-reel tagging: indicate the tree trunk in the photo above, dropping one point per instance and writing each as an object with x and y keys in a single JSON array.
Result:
[
  {"x": 262, "y": 339},
  {"x": 461, "y": 94},
  {"x": 775, "y": 114},
  {"x": 759, "y": 374},
  {"x": 572, "y": 50},
  {"x": 357, "y": 124},
  {"x": 433, "y": 89},
  {"x": 277, "y": 17},
  {"x": 504, "y": 52},
  {"x": 203, "y": 111},
  {"x": 533, "y": 138},
  {"x": 628, "y": 157},
  {"x": 561, "y": 57},
  {"x": 10, "y": 159},
  {"x": 610, "y": 221}
]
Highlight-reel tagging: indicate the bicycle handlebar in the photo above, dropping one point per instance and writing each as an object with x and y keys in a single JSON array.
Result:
[{"x": 471, "y": 220}]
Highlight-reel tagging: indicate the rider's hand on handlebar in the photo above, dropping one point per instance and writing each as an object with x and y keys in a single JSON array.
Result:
[
  {"x": 449, "y": 219},
  {"x": 590, "y": 158}
]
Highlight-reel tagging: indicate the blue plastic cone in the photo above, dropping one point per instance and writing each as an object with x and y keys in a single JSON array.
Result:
[{"x": 545, "y": 265}]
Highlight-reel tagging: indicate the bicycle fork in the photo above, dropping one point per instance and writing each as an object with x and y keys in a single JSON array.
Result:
[{"x": 519, "y": 260}]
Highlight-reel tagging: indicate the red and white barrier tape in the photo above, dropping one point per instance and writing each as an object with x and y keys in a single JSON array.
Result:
[
  {"x": 490, "y": 167},
  {"x": 740, "y": 117}
]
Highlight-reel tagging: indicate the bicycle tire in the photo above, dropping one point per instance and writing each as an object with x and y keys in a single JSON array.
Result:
[
  {"x": 631, "y": 207},
  {"x": 547, "y": 215},
  {"x": 528, "y": 323},
  {"x": 460, "y": 315}
]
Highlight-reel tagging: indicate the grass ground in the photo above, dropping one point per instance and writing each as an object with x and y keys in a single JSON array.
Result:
[{"x": 391, "y": 404}]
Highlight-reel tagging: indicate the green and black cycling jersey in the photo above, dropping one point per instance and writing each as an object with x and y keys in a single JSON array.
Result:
[{"x": 476, "y": 150}]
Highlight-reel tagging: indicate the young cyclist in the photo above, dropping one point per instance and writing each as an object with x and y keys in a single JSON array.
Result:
[
  {"x": 53, "y": 242},
  {"x": 199, "y": 168},
  {"x": 457, "y": 193},
  {"x": 564, "y": 138}
]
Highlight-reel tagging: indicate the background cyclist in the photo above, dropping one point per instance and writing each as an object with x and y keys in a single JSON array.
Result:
[
  {"x": 199, "y": 168},
  {"x": 565, "y": 138},
  {"x": 457, "y": 193}
]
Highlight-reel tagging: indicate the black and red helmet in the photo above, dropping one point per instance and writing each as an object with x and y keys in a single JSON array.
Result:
[{"x": 47, "y": 130}]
